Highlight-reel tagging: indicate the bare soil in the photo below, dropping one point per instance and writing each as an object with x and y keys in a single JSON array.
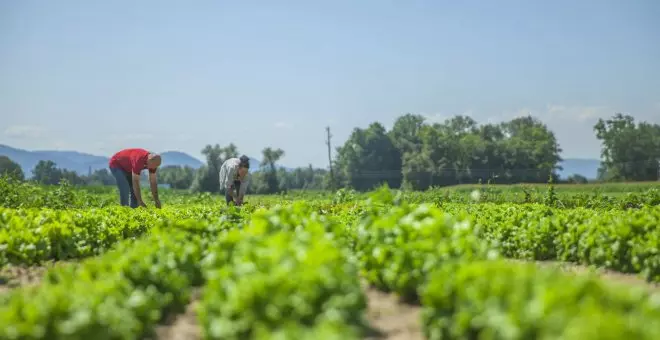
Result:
[
  {"x": 12, "y": 276},
  {"x": 391, "y": 318},
  {"x": 183, "y": 326},
  {"x": 388, "y": 317}
]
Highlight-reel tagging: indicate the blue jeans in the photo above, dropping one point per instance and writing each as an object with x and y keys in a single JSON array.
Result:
[{"x": 125, "y": 184}]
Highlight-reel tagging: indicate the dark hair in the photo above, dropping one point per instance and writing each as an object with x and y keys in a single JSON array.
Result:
[{"x": 245, "y": 161}]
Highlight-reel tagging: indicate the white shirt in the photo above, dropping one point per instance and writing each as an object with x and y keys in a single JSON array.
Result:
[{"x": 229, "y": 174}]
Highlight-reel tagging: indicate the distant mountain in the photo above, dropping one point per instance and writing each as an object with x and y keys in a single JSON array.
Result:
[
  {"x": 71, "y": 160},
  {"x": 585, "y": 167},
  {"x": 82, "y": 162},
  {"x": 180, "y": 159}
]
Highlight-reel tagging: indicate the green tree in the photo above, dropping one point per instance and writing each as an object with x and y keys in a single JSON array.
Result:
[
  {"x": 531, "y": 150},
  {"x": 438, "y": 160},
  {"x": 270, "y": 157},
  {"x": 368, "y": 159},
  {"x": 207, "y": 177},
  {"x": 417, "y": 170},
  {"x": 405, "y": 133},
  {"x": 178, "y": 177},
  {"x": 458, "y": 150},
  {"x": 46, "y": 172},
  {"x": 305, "y": 178},
  {"x": 630, "y": 152},
  {"x": 100, "y": 177},
  {"x": 70, "y": 176},
  {"x": 11, "y": 169}
]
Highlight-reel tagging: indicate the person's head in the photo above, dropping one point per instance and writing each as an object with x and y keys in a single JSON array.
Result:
[
  {"x": 243, "y": 166},
  {"x": 153, "y": 161}
]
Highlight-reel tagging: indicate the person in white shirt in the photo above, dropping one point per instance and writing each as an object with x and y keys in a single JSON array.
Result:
[{"x": 234, "y": 179}]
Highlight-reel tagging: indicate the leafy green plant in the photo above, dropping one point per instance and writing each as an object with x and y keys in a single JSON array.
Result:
[
  {"x": 120, "y": 295},
  {"x": 504, "y": 300},
  {"x": 397, "y": 248},
  {"x": 30, "y": 236},
  {"x": 283, "y": 270}
]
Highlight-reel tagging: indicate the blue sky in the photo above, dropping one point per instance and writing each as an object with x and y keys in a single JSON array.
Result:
[{"x": 98, "y": 76}]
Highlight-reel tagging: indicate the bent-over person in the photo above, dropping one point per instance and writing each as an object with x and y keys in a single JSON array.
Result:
[
  {"x": 126, "y": 165},
  {"x": 234, "y": 179}
]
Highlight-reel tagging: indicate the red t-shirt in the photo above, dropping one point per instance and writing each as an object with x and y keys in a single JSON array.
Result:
[{"x": 131, "y": 160}]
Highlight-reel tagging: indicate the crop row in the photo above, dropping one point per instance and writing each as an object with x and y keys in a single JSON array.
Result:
[
  {"x": 468, "y": 291},
  {"x": 289, "y": 273},
  {"x": 625, "y": 241},
  {"x": 504, "y": 300},
  {"x": 30, "y": 236},
  {"x": 120, "y": 295},
  {"x": 16, "y": 194},
  {"x": 280, "y": 276}
]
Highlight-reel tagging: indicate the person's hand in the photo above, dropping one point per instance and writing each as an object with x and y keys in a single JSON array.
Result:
[{"x": 157, "y": 203}]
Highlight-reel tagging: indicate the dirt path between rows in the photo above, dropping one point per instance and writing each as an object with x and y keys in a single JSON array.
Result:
[
  {"x": 183, "y": 326},
  {"x": 22, "y": 276},
  {"x": 387, "y": 316},
  {"x": 390, "y": 318}
]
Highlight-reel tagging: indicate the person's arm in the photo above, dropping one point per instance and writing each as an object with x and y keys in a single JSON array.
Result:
[
  {"x": 137, "y": 163},
  {"x": 153, "y": 181},
  {"x": 136, "y": 189}
]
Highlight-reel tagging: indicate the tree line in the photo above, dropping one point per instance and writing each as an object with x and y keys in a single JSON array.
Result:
[{"x": 417, "y": 155}]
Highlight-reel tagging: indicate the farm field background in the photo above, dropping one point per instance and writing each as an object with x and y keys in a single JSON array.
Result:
[{"x": 464, "y": 262}]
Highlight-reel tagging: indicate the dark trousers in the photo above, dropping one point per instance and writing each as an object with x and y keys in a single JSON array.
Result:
[
  {"x": 237, "y": 187},
  {"x": 125, "y": 185}
]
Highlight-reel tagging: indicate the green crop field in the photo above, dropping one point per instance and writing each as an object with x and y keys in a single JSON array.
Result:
[{"x": 467, "y": 262}]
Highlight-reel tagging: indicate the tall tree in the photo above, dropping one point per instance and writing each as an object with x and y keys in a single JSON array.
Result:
[
  {"x": 531, "y": 149},
  {"x": 71, "y": 176},
  {"x": 11, "y": 169},
  {"x": 230, "y": 151},
  {"x": 178, "y": 177},
  {"x": 369, "y": 158},
  {"x": 405, "y": 133},
  {"x": 630, "y": 151},
  {"x": 270, "y": 157},
  {"x": 100, "y": 177},
  {"x": 440, "y": 151},
  {"x": 46, "y": 172},
  {"x": 418, "y": 170},
  {"x": 207, "y": 177}
]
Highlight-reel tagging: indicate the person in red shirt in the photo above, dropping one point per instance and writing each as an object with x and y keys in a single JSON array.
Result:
[{"x": 126, "y": 165}]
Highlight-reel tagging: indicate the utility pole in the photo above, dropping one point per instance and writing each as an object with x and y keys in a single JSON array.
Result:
[{"x": 327, "y": 142}]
